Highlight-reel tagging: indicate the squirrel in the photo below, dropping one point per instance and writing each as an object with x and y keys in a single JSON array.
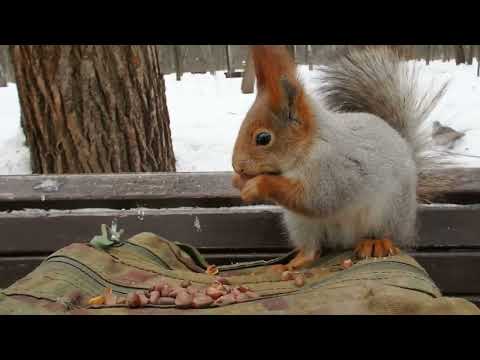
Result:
[{"x": 346, "y": 163}]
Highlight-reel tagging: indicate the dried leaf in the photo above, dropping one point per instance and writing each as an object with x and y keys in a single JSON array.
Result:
[
  {"x": 212, "y": 270},
  {"x": 97, "y": 300}
]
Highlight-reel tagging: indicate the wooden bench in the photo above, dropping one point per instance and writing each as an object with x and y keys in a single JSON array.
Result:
[{"x": 41, "y": 214}]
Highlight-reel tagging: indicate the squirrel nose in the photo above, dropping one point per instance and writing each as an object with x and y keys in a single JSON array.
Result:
[{"x": 238, "y": 165}]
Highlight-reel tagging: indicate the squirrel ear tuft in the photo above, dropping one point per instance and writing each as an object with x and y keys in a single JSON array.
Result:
[{"x": 274, "y": 67}]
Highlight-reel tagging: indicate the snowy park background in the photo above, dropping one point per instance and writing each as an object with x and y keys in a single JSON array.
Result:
[{"x": 206, "y": 112}]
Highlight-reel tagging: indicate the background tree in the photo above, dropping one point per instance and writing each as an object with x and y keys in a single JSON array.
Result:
[
  {"x": 93, "y": 109},
  {"x": 459, "y": 54}
]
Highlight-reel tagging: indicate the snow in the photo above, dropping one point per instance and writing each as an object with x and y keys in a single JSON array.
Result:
[
  {"x": 206, "y": 112},
  {"x": 14, "y": 155}
]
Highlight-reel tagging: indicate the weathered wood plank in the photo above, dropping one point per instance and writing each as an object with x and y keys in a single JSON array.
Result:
[
  {"x": 473, "y": 299},
  {"x": 117, "y": 191},
  {"x": 27, "y": 232},
  {"x": 13, "y": 269},
  {"x": 454, "y": 273},
  {"x": 159, "y": 190},
  {"x": 443, "y": 226},
  {"x": 43, "y": 232}
]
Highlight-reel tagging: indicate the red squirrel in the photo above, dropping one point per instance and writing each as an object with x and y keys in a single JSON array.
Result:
[{"x": 346, "y": 164}]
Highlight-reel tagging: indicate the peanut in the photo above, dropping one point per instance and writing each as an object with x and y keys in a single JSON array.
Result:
[
  {"x": 286, "y": 276},
  {"x": 243, "y": 288},
  {"x": 215, "y": 292},
  {"x": 143, "y": 299},
  {"x": 252, "y": 295},
  {"x": 299, "y": 281},
  {"x": 183, "y": 300},
  {"x": 165, "y": 301},
  {"x": 166, "y": 289},
  {"x": 225, "y": 300},
  {"x": 193, "y": 290},
  {"x": 175, "y": 291},
  {"x": 241, "y": 297},
  {"x": 154, "y": 295},
  {"x": 158, "y": 286},
  {"x": 133, "y": 300},
  {"x": 201, "y": 301}
]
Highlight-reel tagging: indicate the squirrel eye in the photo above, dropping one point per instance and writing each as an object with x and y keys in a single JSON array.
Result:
[{"x": 263, "y": 138}]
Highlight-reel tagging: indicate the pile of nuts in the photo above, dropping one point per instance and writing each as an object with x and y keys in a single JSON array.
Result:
[{"x": 185, "y": 296}]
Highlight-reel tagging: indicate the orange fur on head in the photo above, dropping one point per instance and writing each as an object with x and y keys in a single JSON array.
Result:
[{"x": 281, "y": 109}]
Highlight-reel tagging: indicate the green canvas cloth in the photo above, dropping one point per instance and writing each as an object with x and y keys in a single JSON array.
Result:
[{"x": 393, "y": 285}]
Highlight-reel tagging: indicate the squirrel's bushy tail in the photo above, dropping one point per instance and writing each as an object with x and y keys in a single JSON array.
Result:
[{"x": 375, "y": 80}]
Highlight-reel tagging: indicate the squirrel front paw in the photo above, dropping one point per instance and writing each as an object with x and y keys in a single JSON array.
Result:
[
  {"x": 239, "y": 181},
  {"x": 251, "y": 191}
]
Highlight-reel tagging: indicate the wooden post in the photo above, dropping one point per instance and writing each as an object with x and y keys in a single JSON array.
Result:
[
  {"x": 307, "y": 58},
  {"x": 178, "y": 61},
  {"x": 229, "y": 65},
  {"x": 248, "y": 81},
  {"x": 3, "y": 78}
]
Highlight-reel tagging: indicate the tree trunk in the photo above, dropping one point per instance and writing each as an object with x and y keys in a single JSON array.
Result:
[{"x": 93, "y": 109}]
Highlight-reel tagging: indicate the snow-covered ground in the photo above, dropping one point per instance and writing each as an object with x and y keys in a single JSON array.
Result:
[
  {"x": 206, "y": 112},
  {"x": 14, "y": 155}
]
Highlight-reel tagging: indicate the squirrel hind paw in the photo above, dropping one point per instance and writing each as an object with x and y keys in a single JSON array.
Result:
[{"x": 375, "y": 248}]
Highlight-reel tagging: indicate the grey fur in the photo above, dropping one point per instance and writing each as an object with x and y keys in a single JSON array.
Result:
[{"x": 361, "y": 176}]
